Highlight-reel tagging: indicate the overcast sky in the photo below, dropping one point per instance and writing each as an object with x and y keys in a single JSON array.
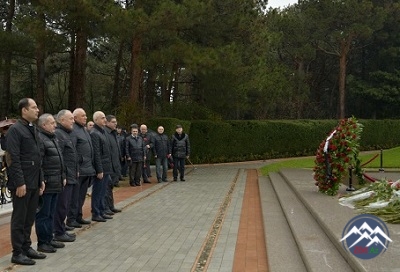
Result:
[{"x": 280, "y": 3}]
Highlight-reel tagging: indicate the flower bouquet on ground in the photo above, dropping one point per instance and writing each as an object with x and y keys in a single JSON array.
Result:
[
  {"x": 336, "y": 154},
  {"x": 380, "y": 198}
]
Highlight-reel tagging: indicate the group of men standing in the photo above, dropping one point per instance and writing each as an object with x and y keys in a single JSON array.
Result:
[
  {"x": 139, "y": 146},
  {"x": 54, "y": 163}
]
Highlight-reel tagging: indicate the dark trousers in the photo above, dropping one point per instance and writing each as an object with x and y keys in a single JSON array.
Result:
[
  {"x": 124, "y": 167},
  {"x": 161, "y": 168},
  {"x": 62, "y": 207},
  {"x": 78, "y": 198},
  {"x": 135, "y": 172},
  {"x": 22, "y": 218},
  {"x": 98, "y": 195},
  {"x": 109, "y": 198},
  {"x": 179, "y": 165},
  {"x": 44, "y": 222},
  {"x": 146, "y": 168}
]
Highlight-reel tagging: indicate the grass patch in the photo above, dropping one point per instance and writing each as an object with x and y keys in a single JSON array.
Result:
[{"x": 391, "y": 159}]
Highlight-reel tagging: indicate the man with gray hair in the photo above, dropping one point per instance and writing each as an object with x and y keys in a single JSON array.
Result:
[
  {"x": 54, "y": 177},
  {"x": 102, "y": 166},
  {"x": 63, "y": 131},
  {"x": 84, "y": 147}
]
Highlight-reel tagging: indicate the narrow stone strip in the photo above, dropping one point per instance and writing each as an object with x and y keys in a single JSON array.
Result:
[
  {"x": 251, "y": 250},
  {"x": 205, "y": 253}
]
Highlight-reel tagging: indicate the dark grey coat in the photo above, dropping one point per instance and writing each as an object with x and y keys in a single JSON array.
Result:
[
  {"x": 115, "y": 151},
  {"x": 69, "y": 153},
  {"x": 83, "y": 143},
  {"x": 101, "y": 150}
]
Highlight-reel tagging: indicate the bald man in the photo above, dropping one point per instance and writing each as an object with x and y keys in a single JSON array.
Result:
[{"x": 84, "y": 147}]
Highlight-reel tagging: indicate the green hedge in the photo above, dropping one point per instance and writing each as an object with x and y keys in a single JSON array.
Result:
[{"x": 227, "y": 141}]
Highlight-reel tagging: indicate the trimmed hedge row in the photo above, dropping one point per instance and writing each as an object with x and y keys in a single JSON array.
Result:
[{"x": 228, "y": 141}]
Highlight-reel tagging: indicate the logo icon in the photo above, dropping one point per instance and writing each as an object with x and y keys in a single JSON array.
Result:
[{"x": 366, "y": 236}]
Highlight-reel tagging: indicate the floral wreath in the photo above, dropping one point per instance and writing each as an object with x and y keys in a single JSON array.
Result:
[{"x": 336, "y": 154}]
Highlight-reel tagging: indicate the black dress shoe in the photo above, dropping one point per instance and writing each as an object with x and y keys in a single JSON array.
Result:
[
  {"x": 109, "y": 212},
  {"x": 106, "y": 216},
  {"x": 83, "y": 221},
  {"x": 56, "y": 244},
  {"x": 74, "y": 224},
  {"x": 69, "y": 228},
  {"x": 22, "y": 259},
  {"x": 98, "y": 219},
  {"x": 71, "y": 234},
  {"x": 33, "y": 254},
  {"x": 182, "y": 179},
  {"x": 115, "y": 210},
  {"x": 64, "y": 238},
  {"x": 147, "y": 181},
  {"x": 46, "y": 248}
]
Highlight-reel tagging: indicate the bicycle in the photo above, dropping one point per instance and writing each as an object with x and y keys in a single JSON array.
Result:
[{"x": 5, "y": 195}]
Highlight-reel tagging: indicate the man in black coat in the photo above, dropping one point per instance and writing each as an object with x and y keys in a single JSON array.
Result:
[
  {"x": 111, "y": 133},
  {"x": 25, "y": 177},
  {"x": 55, "y": 180},
  {"x": 180, "y": 146},
  {"x": 148, "y": 142},
  {"x": 136, "y": 154},
  {"x": 63, "y": 132},
  {"x": 161, "y": 151},
  {"x": 84, "y": 147},
  {"x": 102, "y": 166}
]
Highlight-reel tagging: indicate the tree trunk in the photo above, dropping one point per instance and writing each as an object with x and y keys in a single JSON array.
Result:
[
  {"x": 40, "y": 67},
  {"x": 7, "y": 57},
  {"x": 150, "y": 91},
  {"x": 117, "y": 78},
  {"x": 344, "y": 51},
  {"x": 80, "y": 69},
  {"x": 71, "y": 87},
  {"x": 135, "y": 71}
]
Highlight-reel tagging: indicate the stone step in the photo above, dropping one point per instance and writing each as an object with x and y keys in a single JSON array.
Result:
[
  {"x": 332, "y": 218},
  {"x": 316, "y": 249},
  {"x": 282, "y": 251}
]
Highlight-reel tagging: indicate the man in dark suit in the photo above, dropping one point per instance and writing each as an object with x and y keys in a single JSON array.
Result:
[
  {"x": 63, "y": 132},
  {"x": 102, "y": 166},
  {"x": 25, "y": 181},
  {"x": 83, "y": 144}
]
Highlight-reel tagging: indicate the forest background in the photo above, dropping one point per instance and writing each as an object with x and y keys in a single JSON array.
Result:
[{"x": 202, "y": 59}]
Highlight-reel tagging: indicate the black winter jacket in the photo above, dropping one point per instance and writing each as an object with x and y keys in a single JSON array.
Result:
[
  {"x": 53, "y": 164},
  {"x": 101, "y": 150},
  {"x": 161, "y": 146},
  {"x": 180, "y": 145},
  {"x": 83, "y": 144},
  {"x": 135, "y": 148},
  {"x": 24, "y": 155},
  {"x": 115, "y": 151},
  {"x": 69, "y": 153}
]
